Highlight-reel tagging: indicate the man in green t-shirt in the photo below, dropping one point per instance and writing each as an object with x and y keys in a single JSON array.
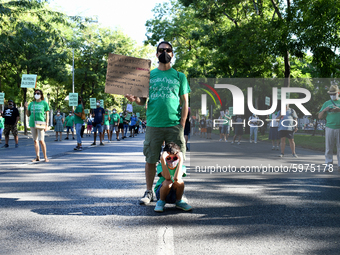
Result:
[
  {"x": 114, "y": 123},
  {"x": 69, "y": 123},
  {"x": 168, "y": 92},
  {"x": 78, "y": 123},
  {"x": 331, "y": 110}
]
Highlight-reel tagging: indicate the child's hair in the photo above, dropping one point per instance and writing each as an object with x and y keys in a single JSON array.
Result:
[{"x": 172, "y": 148}]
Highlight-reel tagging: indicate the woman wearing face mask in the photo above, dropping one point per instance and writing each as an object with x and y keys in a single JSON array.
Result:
[
  {"x": 38, "y": 110},
  {"x": 58, "y": 125}
]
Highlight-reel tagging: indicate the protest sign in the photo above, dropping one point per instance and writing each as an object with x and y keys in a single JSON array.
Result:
[
  {"x": 93, "y": 103},
  {"x": 2, "y": 98},
  {"x": 127, "y": 75},
  {"x": 231, "y": 110},
  {"x": 138, "y": 114},
  {"x": 102, "y": 103},
  {"x": 267, "y": 101},
  {"x": 73, "y": 99},
  {"x": 129, "y": 108},
  {"x": 87, "y": 111},
  {"x": 28, "y": 81}
]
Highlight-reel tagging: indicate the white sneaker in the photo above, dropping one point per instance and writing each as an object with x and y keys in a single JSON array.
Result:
[
  {"x": 273, "y": 148},
  {"x": 250, "y": 141},
  {"x": 232, "y": 141},
  {"x": 226, "y": 141},
  {"x": 220, "y": 140},
  {"x": 255, "y": 142},
  {"x": 238, "y": 143}
]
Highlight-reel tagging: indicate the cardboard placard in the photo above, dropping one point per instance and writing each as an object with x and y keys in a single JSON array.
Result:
[
  {"x": 93, "y": 103},
  {"x": 2, "y": 98},
  {"x": 28, "y": 81},
  {"x": 73, "y": 99},
  {"x": 127, "y": 75}
]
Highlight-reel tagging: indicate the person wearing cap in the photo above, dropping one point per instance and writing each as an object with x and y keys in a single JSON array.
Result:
[
  {"x": 11, "y": 115},
  {"x": 69, "y": 123},
  {"x": 331, "y": 111},
  {"x": 168, "y": 92}
]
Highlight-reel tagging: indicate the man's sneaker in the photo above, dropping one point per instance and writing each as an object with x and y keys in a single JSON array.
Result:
[
  {"x": 73, "y": 138},
  {"x": 277, "y": 148},
  {"x": 93, "y": 144},
  {"x": 101, "y": 143},
  {"x": 117, "y": 139},
  {"x": 76, "y": 148},
  {"x": 255, "y": 142},
  {"x": 220, "y": 140},
  {"x": 16, "y": 145},
  {"x": 5, "y": 146},
  {"x": 273, "y": 148},
  {"x": 159, "y": 206},
  {"x": 183, "y": 205},
  {"x": 281, "y": 155},
  {"x": 109, "y": 141},
  {"x": 80, "y": 148},
  {"x": 147, "y": 198},
  {"x": 66, "y": 138},
  {"x": 250, "y": 141},
  {"x": 294, "y": 155},
  {"x": 238, "y": 143}
]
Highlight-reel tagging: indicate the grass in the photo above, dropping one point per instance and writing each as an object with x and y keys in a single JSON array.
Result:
[{"x": 301, "y": 140}]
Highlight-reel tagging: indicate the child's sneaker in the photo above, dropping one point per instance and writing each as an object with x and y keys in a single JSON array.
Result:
[
  {"x": 183, "y": 205},
  {"x": 159, "y": 206}
]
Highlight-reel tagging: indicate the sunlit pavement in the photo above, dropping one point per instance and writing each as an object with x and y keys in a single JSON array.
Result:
[{"x": 87, "y": 202}]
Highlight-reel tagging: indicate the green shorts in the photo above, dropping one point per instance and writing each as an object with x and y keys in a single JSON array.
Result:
[{"x": 154, "y": 138}]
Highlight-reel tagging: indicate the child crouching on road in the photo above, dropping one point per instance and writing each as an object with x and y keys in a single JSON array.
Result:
[{"x": 170, "y": 186}]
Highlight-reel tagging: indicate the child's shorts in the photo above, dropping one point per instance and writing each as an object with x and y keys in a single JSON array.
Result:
[{"x": 170, "y": 198}]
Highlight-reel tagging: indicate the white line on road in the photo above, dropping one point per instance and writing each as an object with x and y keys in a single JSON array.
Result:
[{"x": 165, "y": 241}]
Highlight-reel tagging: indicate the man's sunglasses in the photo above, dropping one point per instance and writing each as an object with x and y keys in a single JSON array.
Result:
[
  {"x": 169, "y": 158},
  {"x": 161, "y": 50}
]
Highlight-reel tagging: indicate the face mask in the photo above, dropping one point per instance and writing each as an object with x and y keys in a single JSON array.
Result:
[
  {"x": 70, "y": 114},
  {"x": 164, "y": 58},
  {"x": 10, "y": 105},
  {"x": 333, "y": 97},
  {"x": 120, "y": 115},
  {"x": 98, "y": 104},
  {"x": 114, "y": 111},
  {"x": 37, "y": 97},
  {"x": 58, "y": 113},
  {"x": 172, "y": 164}
]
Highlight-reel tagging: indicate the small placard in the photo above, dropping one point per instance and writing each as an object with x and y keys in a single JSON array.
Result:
[
  {"x": 267, "y": 102},
  {"x": 231, "y": 111},
  {"x": 87, "y": 111},
  {"x": 28, "y": 81},
  {"x": 73, "y": 99},
  {"x": 2, "y": 98},
  {"x": 93, "y": 103},
  {"x": 138, "y": 114},
  {"x": 129, "y": 108}
]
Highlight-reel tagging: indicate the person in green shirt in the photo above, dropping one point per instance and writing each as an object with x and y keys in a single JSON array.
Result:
[
  {"x": 114, "y": 123},
  {"x": 69, "y": 123},
  {"x": 166, "y": 113},
  {"x": 106, "y": 126},
  {"x": 78, "y": 122},
  {"x": 2, "y": 121},
  {"x": 170, "y": 186},
  {"x": 331, "y": 110},
  {"x": 121, "y": 126},
  {"x": 38, "y": 110}
]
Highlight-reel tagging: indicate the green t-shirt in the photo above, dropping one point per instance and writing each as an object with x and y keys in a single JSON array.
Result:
[
  {"x": 165, "y": 90},
  {"x": 172, "y": 173},
  {"x": 106, "y": 119},
  {"x": 77, "y": 119},
  {"x": 121, "y": 120},
  {"x": 37, "y": 110},
  {"x": 2, "y": 121},
  {"x": 225, "y": 117},
  {"x": 114, "y": 118},
  {"x": 69, "y": 121},
  {"x": 332, "y": 118}
]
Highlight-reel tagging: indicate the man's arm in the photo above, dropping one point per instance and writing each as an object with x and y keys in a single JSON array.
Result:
[
  {"x": 185, "y": 106},
  {"x": 138, "y": 100}
]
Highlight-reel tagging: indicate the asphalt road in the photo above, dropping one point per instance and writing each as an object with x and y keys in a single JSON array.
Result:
[{"x": 87, "y": 202}]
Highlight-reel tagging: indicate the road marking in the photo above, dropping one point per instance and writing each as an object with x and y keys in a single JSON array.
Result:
[{"x": 165, "y": 241}]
